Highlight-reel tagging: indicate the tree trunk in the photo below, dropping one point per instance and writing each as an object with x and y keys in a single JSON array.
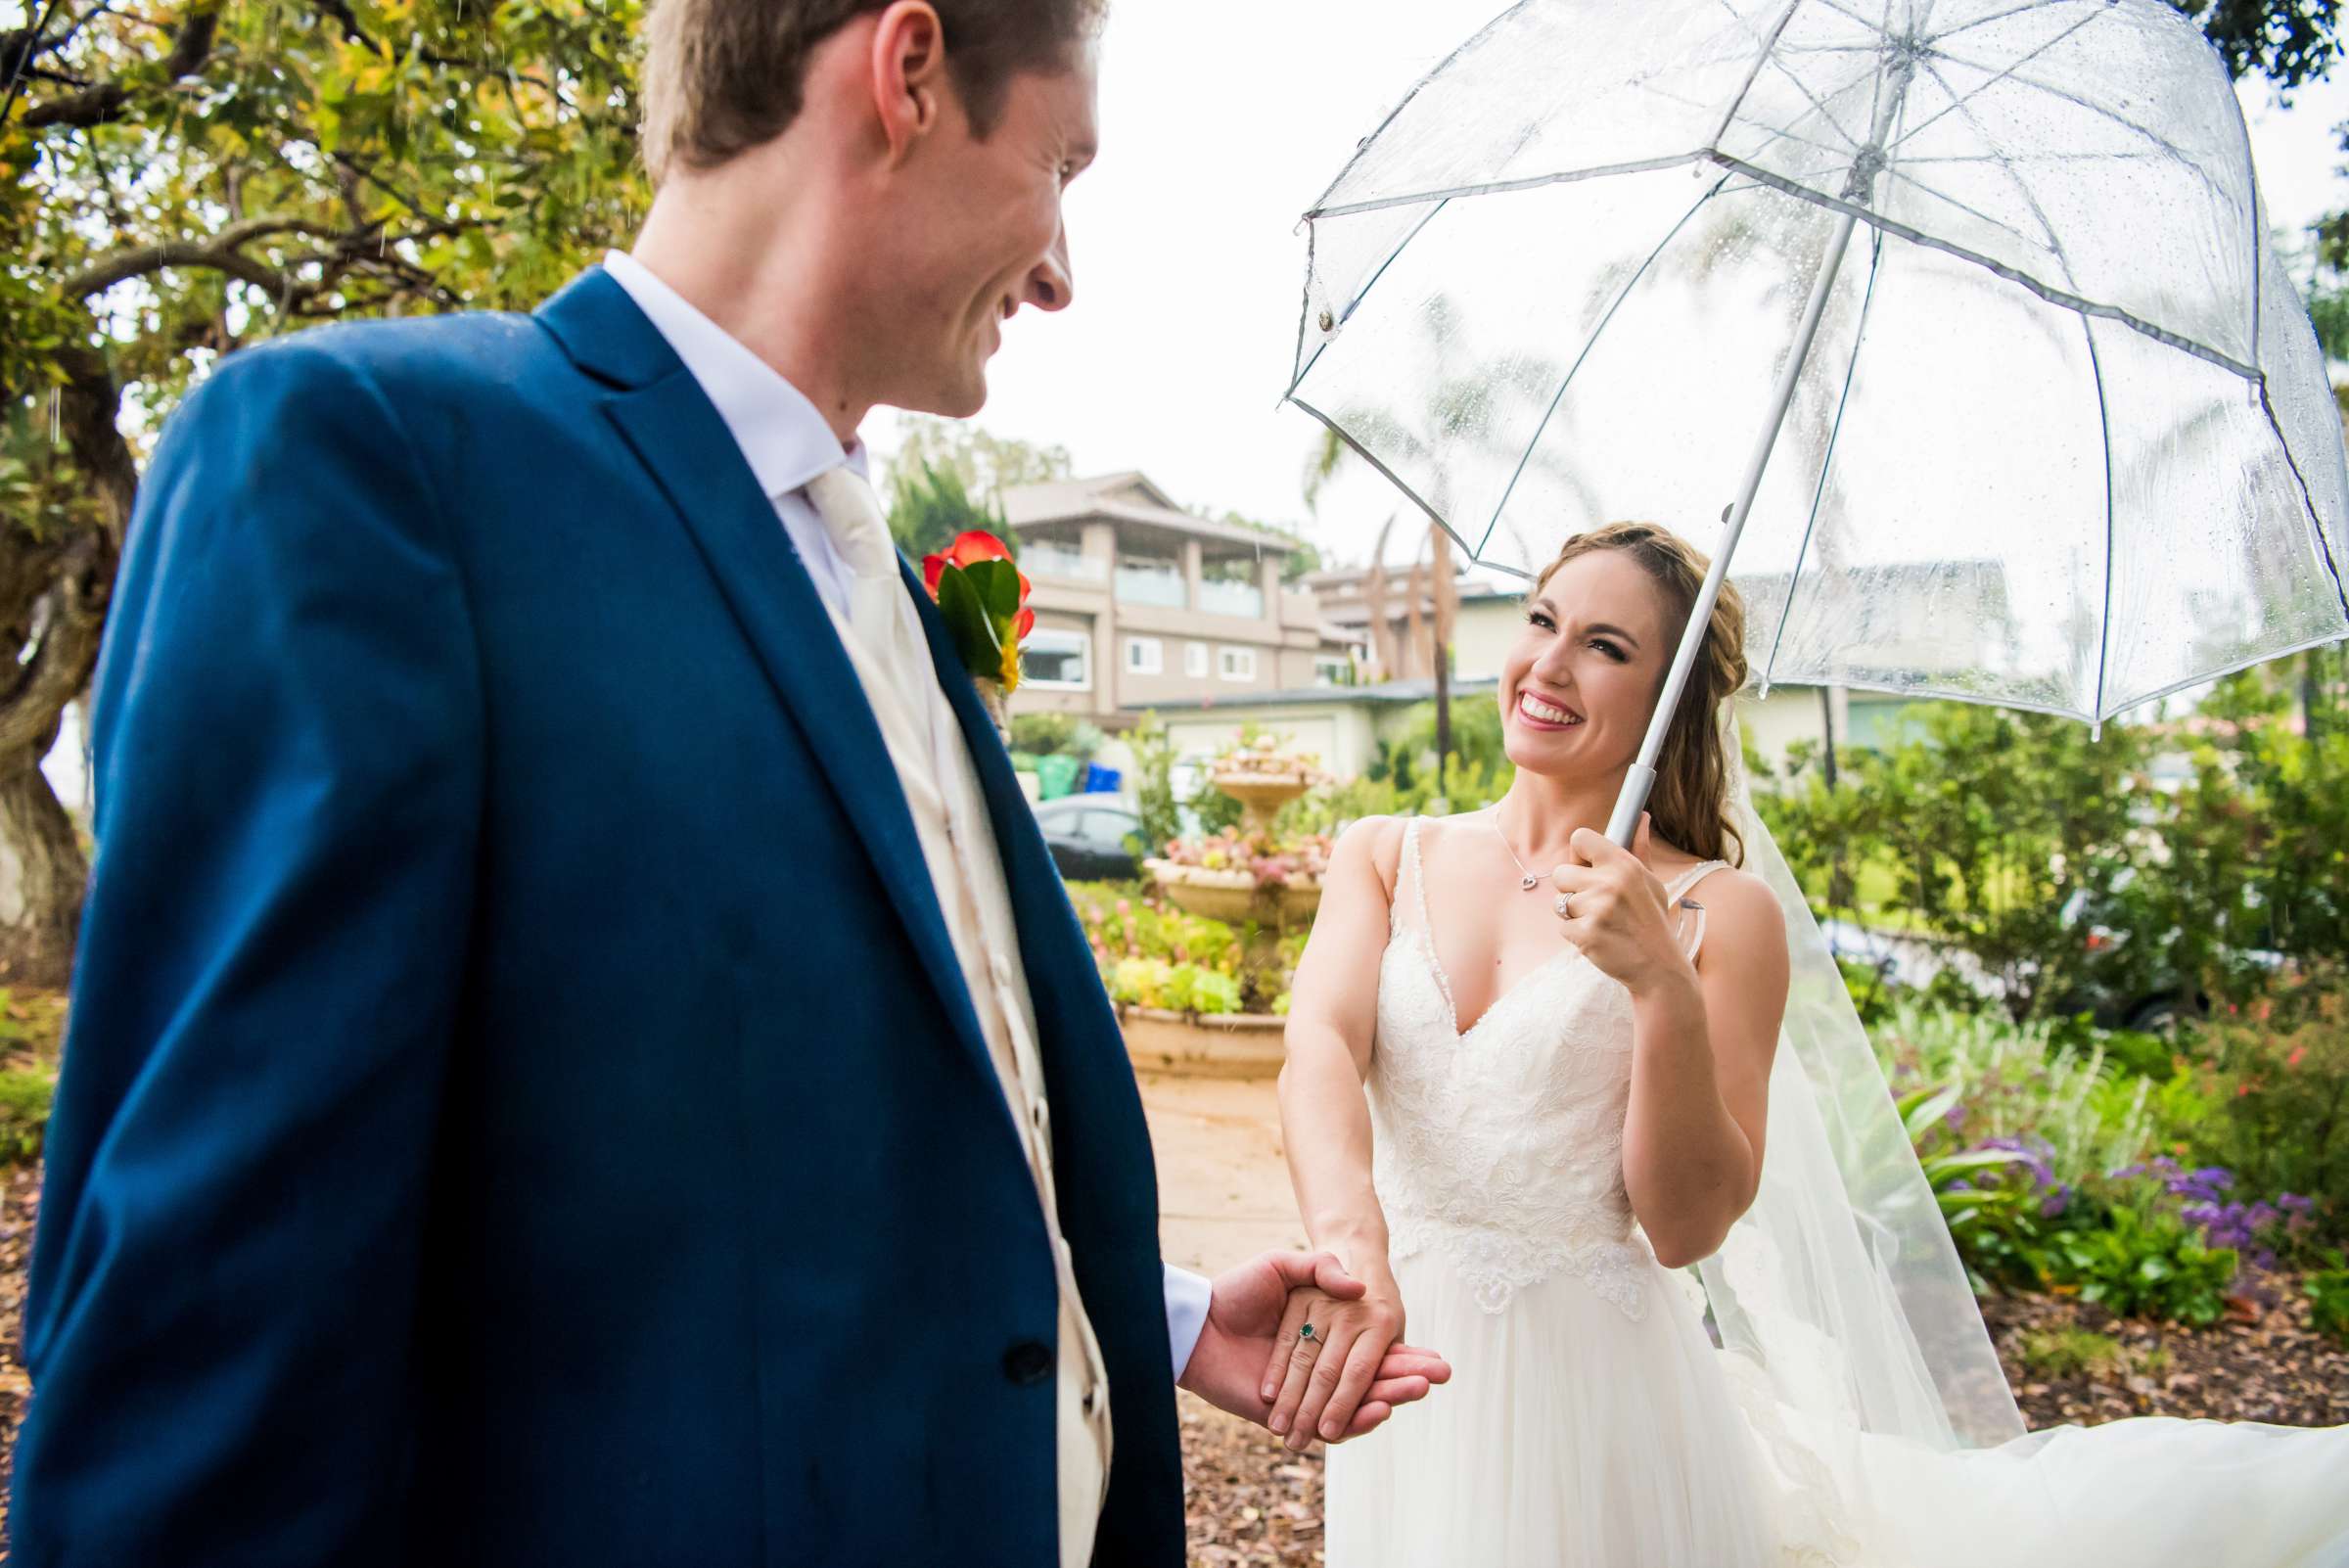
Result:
[
  {"x": 59, "y": 590},
  {"x": 37, "y": 944}
]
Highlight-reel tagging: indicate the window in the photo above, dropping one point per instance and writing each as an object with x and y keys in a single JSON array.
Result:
[
  {"x": 1237, "y": 664},
  {"x": 1194, "y": 660},
  {"x": 1061, "y": 660},
  {"x": 1333, "y": 669},
  {"x": 1145, "y": 656}
]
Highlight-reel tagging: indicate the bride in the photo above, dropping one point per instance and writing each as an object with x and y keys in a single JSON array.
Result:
[{"x": 1625, "y": 1156}]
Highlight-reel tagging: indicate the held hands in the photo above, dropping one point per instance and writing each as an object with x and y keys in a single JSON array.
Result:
[
  {"x": 1253, "y": 1320},
  {"x": 1616, "y": 911},
  {"x": 1335, "y": 1361}
]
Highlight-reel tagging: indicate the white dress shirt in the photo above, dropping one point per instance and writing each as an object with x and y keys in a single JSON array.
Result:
[{"x": 787, "y": 443}]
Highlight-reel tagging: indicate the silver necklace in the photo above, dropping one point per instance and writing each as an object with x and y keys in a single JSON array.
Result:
[{"x": 1528, "y": 880}]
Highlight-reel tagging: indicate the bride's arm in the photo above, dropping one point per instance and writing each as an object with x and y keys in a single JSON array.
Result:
[
  {"x": 1703, "y": 1036},
  {"x": 1325, "y": 1123}
]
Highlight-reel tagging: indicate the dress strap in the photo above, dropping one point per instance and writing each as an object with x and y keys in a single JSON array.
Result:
[
  {"x": 1409, "y": 874},
  {"x": 1692, "y": 918}
]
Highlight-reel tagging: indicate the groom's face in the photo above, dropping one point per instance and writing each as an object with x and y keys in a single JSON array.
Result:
[{"x": 980, "y": 232}]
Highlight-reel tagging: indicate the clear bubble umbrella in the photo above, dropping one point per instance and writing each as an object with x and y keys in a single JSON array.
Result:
[{"x": 1950, "y": 327}]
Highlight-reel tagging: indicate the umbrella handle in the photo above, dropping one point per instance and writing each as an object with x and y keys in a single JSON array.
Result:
[
  {"x": 1630, "y": 802},
  {"x": 1632, "y": 797}
]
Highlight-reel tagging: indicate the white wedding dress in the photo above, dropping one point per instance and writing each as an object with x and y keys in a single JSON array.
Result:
[{"x": 1591, "y": 1423}]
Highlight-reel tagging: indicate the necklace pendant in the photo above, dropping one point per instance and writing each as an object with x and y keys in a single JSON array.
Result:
[{"x": 1527, "y": 884}]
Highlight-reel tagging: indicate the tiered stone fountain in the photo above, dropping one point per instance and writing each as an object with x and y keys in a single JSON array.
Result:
[{"x": 1262, "y": 780}]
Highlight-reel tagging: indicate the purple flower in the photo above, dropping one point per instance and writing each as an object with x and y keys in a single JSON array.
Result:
[
  {"x": 2056, "y": 1202},
  {"x": 2295, "y": 1203}
]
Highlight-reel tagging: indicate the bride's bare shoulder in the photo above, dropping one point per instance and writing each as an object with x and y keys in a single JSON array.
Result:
[{"x": 1377, "y": 840}]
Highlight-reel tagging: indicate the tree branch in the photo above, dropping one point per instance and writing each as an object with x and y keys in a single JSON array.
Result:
[
  {"x": 221, "y": 253},
  {"x": 97, "y": 105}
]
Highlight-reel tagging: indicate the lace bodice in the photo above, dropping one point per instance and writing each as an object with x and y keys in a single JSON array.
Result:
[{"x": 1501, "y": 1148}]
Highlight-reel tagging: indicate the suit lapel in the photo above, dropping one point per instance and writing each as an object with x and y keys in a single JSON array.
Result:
[
  {"x": 1062, "y": 982},
  {"x": 672, "y": 427}
]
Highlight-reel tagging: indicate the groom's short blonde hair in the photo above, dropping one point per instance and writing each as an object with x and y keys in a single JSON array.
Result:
[{"x": 723, "y": 76}]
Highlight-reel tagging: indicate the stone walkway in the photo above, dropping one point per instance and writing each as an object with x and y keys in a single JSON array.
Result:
[{"x": 1222, "y": 1181}]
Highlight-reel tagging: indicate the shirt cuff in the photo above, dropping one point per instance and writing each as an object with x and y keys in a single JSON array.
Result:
[{"x": 1187, "y": 1296}]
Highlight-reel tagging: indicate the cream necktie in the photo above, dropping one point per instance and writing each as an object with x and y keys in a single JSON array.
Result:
[{"x": 881, "y": 616}]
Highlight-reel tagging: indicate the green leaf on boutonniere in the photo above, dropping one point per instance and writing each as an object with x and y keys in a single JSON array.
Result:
[
  {"x": 967, "y": 621},
  {"x": 998, "y": 585}
]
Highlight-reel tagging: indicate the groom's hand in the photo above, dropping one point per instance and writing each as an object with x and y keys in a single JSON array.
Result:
[{"x": 1243, "y": 1326}]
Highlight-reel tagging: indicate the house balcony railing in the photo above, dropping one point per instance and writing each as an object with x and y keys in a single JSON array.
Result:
[
  {"x": 1057, "y": 561},
  {"x": 1245, "y": 599}
]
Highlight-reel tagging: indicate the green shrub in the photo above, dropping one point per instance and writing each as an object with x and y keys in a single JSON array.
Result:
[
  {"x": 2012, "y": 1082},
  {"x": 25, "y": 1096},
  {"x": 2069, "y": 1352},
  {"x": 1041, "y": 734},
  {"x": 2142, "y": 1264},
  {"x": 2280, "y": 1107},
  {"x": 2328, "y": 1298}
]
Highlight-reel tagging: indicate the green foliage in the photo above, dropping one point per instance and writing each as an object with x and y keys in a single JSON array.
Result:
[
  {"x": 1154, "y": 781},
  {"x": 238, "y": 166},
  {"x": 2006, "y": 1081},
  {"x": 2291, "y": 42},
  {"x": 1987, "y": 822},
  {"x": 1041, "y": 734},
  {"x": 929, "y": 507},
  {"x": 2328, "y": 1291},
  {"x": 2068, "y": 1352},
  {"x": 2279, "y": 1103},
  {"x": 981, "y": 465},
  {"x": 2142, "y": 1263},
  {"x": 25, "y": 1096},
  {"x": 1180, "y": 988}
]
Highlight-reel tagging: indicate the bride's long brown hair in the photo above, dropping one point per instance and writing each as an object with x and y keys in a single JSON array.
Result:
[{"x": 1690, "y": 806}]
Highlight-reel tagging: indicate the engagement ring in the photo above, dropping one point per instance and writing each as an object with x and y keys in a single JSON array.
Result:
[{"x": 1564, "y": 906}]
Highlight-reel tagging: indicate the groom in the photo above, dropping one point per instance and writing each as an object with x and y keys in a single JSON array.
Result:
[{"x": 580, "y": 1055}]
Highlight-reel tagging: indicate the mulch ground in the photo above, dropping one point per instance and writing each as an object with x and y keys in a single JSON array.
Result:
[{"x": 1252, "y": 1501}]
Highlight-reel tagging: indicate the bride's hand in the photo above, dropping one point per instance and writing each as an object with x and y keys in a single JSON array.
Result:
[
  {"x": 1614, "y": 909},
  {"x": 1315, "y": 1380}
]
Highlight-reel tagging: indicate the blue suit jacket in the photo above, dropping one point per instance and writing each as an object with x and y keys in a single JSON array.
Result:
[{"x": 520, "y": 1105}]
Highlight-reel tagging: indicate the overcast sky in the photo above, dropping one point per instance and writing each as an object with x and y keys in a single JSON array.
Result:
[{"x": 1222, "y": 122}]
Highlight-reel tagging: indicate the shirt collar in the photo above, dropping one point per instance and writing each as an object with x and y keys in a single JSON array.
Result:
[{"x": 784, "y": 438}]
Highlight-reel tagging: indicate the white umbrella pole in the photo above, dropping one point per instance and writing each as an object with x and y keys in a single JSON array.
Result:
[{"x": 1643, "y": 776}]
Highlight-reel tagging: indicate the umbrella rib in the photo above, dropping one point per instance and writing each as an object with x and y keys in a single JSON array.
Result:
[
  {"x": 2012, "y": 274},
  {"x": 2096, "y": 367},
  {"x": 1826, "y": 461},
  {"x": 1950, "y": 201},
  {"x": 1503, "y": 187},
  {"x": 1984, "y": 22},
  {"x": 1360, "y": 295},
  {"x": 2102, "y": 112},
  {"x": 1824, "y": 113},
  {"x": 1753, "y": 72},
  {"x": 2022, "y": 187},
  {"x": 1956, "y": 102},
  {"x": 1386, "y": 473},
  {"x": 1362, "y": 148},
  {"x": 2308, "y": 501},
  {"x": 1597, "y": 328}
]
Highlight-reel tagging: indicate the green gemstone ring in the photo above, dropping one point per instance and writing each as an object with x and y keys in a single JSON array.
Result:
[{"x": 1307, "y": 1332}]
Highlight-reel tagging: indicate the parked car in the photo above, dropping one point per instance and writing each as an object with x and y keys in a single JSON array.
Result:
[
  {"x": 2129, "y": 981},
  {"x": 1093, "y": 838}
]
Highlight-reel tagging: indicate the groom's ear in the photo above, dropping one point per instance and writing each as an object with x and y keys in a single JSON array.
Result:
[{"x": 910, "y": 79}]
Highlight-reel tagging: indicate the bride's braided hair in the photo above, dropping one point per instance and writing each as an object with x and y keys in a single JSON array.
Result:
[{"x": 1690, "y": 806}]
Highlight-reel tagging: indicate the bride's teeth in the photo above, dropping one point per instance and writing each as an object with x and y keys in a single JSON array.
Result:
[{"x": 1538, "y": 709}]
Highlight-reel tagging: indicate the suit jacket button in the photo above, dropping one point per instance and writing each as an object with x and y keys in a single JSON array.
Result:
[{"x": 1028, "y": 1364}]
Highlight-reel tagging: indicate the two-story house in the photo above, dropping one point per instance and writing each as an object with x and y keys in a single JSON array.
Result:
[{"x": 1139, "y": 603}]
